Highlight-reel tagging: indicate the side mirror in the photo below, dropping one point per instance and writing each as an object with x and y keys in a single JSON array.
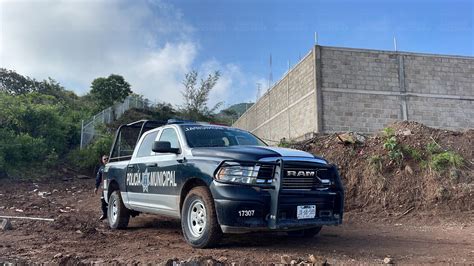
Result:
[{"x": 164, "y": 147}]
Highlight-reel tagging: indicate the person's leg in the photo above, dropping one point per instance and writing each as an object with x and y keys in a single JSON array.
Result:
[{"x": 104, "y": 208}]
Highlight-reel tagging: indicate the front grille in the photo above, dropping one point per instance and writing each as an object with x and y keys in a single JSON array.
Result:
[
  {"x": 306, "y": 177},
  {"x": 265, "y": 174}
]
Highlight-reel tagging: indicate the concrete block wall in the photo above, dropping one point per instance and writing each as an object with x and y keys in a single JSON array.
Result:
[
  {"x": 359, "y": 112},
  {"x": 439, "y": 75},
  {"x": 442, "y": 90},
  {"x": 451, "y": 114},
  {"x": 358, "y": 70},
  {"x": 343, "y": 89},
  {"x": 288, "y": 109},
  {"x": 348, "y": 79}
]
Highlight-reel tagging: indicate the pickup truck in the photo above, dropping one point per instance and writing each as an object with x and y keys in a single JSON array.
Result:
[{"x": 218, "y": 180}]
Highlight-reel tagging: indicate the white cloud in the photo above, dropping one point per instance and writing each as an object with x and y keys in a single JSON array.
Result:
[
  {"x": 75, "y": 41},
  {"x": 234, "y": 85}
]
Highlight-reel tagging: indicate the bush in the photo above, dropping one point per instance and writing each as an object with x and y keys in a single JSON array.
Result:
[
  {"x": 392, "y": 146},
  {"x": 388, "y": 132},
  {"x": 284, "y": 143},
  {"x": 444, "y": 160},
  {"x": 21, "y": 151},
  {"x": 412, "y": 153},
  {"x": 376, "y": 164},
  {"x": 37, "y": 130},
  {"x": 433, "y": 148},
  {"x": 89, "y": 157}
]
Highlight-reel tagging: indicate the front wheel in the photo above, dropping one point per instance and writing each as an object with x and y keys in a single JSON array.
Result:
[
  {"x": 306, "y": 233},
  {"x": 199, "y": 219},
  {"x": 118, "y": 214}
]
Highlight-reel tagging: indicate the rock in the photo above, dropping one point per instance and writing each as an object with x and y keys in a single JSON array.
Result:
[
  {"x": 346, "y": 138},
  {"x": 222, "y": 259},
  {"x": 407, "y": 132},
  {"x": 44, "y": 193},
  {"x": 312, "y": 258},
  {"x": 351, "y": 138},
  {"x": 317, "y": 260},
  {"x": 79, "y": 231},
  {"x": 360, "y": 138},
  {"x": 408, "y": 169},
  {"x": 18, "y": 210},
  {"x": 285, "y": 259},
  {"x": 6, "y": 225},
  {"x": 388, "y": 260},
  {"x": 59, "y": 255},
  {"x": 293, "y": 262},
  {"x": 210, "y": 262}
]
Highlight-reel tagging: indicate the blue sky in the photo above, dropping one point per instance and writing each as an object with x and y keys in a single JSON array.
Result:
[
  {"x": 248, "y": 31},
  {"x": 153, "y": 43}
]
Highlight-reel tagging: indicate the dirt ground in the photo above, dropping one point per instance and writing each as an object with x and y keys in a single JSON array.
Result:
[
  {"x": 372, "y": 180},
  {"x": 76, "y": 236}
]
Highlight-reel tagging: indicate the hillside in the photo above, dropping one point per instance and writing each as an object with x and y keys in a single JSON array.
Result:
[
  {"x": 408, "y": 167},
  {"x": 239, "y": 108}
]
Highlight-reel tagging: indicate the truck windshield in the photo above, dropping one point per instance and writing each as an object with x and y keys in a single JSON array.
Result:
[{"x": 216, "y": 136}]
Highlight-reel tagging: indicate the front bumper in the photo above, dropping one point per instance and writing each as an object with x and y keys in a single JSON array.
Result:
[{"x": 242, "y": 209}]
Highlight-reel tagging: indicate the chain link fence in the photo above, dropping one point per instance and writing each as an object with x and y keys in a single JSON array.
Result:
[{"x": 108, "y": 115}]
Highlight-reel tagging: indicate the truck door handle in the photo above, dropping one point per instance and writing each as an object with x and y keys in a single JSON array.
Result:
[
  {"x": 131, "y": 166},
  {"x": 151, "y": 165}
]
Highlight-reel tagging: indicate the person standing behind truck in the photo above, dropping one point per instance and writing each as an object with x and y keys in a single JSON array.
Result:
[{"x": 98, "y": 181}]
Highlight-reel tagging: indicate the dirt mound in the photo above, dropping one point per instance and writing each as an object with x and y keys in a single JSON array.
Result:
[{"x": 405, "y": 167}]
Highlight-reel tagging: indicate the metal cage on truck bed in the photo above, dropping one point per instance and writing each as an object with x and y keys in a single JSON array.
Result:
[{"x": 127, "y": 136}]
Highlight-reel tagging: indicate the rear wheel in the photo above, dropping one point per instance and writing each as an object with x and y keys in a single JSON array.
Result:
[
  {"x": 118, "y": 214},
  {"x": 306, "y": 233},
  {"x": 199, "y": 219}
]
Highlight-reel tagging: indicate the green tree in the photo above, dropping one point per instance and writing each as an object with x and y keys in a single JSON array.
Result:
[
  {"x": 196, "y": 97},
  {"x": 107, "y": 91},
  {"x": 14, "y": 83}
]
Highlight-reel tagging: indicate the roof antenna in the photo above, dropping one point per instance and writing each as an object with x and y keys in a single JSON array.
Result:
[
  {"x": 270, "y": 77},
  {"x": 395, "y": 43},
  {"x": 315, "y": 38},
  {"x": 258, "y": 91}
]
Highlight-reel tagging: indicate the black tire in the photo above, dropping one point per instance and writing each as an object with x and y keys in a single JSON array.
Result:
[
  {"x": 199, "y": 207},
  {"x": 117, "y": 214},
  {"x": 306, "y": 233}
]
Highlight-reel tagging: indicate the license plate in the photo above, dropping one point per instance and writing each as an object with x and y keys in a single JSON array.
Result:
[{"x": 306, "y": 212}]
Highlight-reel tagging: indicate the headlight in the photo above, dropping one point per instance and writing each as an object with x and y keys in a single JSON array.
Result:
[{"x": 237, "y": 173}]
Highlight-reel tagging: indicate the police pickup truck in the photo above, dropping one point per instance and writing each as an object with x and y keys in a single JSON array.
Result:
[{"x": 217, "y": 180}]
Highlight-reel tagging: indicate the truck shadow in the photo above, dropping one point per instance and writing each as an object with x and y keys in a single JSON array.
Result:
[
  {"x": 349, "y": 239},
  {"x": 169, "y": 226},
  {"x": 258, "y": 240}
]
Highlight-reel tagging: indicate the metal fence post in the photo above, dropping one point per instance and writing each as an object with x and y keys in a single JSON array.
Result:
[{"x": 82, "y": 134}]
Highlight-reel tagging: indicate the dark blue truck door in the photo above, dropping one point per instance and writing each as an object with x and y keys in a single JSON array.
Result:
[{"x": 136, "y": 177}]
